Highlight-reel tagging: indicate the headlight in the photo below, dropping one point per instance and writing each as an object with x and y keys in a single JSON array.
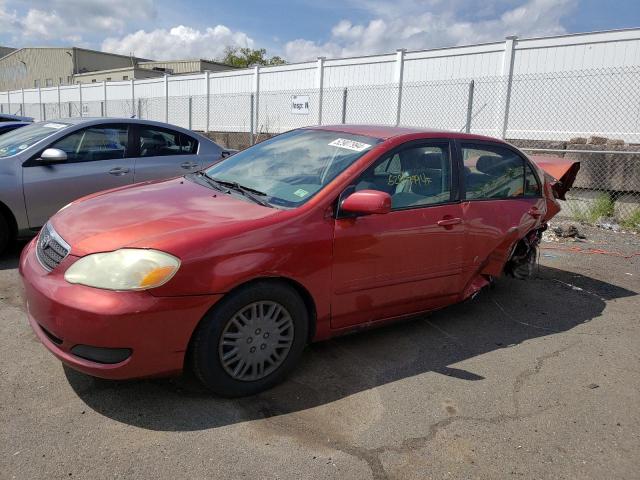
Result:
[{"x": 125, "y": 269}]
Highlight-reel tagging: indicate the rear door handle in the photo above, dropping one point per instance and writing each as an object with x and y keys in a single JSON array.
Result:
[
  {"x": 188, "y": 165},
  {"x": 448, "y": 222},
  {"x": 119, "y": 171}
]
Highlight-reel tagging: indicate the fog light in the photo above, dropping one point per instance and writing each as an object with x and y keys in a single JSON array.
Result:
[{"x": 101, "y": 354}]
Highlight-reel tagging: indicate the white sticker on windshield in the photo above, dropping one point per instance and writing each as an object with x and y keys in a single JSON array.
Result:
[
  {"x": 349, "y": 144},
  {"x": 57, "y": 126},
  {"x": 23, "y": 146},
  {"x": 301, "y": 193}
]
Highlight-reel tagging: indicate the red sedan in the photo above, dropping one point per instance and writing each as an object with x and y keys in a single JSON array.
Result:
[{"x": 233, "y": 270}]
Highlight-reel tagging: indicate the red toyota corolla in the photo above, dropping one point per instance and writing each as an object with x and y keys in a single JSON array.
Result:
[{"x": 310, "y": 234}]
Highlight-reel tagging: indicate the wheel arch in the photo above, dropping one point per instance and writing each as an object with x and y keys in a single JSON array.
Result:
[
  {"x": 300, "y": 289},
  {"x": 6, "y": 212}
]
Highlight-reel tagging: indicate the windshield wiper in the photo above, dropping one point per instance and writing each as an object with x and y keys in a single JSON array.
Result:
[
  {"x": 250, "y": 193},
  {"x": 215, "y": 184}
]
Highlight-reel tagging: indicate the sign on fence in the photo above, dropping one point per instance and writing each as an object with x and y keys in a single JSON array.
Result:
[{"x": 300, "y": 104}]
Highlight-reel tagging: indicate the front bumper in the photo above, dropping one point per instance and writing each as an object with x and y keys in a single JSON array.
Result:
[{"x": 156, "y": 329}]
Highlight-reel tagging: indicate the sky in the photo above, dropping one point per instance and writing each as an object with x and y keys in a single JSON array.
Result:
[{"x": 296, "y": 30}]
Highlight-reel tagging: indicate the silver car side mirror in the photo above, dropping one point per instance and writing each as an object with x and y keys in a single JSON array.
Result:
[{"x": 53, "y": 155}]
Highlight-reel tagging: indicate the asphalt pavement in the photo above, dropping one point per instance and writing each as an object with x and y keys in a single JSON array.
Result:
[{"x": 532, "y": 379}]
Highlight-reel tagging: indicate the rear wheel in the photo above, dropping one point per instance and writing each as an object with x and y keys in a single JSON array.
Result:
[{"x": 251, "y": 340}]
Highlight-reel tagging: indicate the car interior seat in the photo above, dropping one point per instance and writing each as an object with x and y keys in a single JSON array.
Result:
[
  {"x": 419, "y": 177},
  {"x": 153, "y": 145}
]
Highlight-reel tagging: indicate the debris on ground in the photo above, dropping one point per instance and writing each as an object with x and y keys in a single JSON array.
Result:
[
  {"x": 608, "y": 223},
  {"x": 567, "y": 231}
]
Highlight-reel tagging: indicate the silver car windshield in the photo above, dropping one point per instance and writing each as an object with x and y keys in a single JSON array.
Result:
[
  {"x": 289, "y": 169},
  {"x": 16, "y": 141}
]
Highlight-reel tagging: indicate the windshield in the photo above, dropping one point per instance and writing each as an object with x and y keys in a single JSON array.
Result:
[
  {"x": 16, "y": 141},
  {"x": 291, "y": 168}
]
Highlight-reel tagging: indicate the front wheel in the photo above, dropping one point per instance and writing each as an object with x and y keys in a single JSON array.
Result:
[
  {"x": 251, "y": 340},
  {"x": 4, "y": 233}
]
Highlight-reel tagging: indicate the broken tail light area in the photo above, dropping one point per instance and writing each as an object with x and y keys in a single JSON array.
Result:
[{"x": 562, "y": 172}]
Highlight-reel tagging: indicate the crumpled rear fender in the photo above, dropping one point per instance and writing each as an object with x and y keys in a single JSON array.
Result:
[{"x": 562, "y": 172}]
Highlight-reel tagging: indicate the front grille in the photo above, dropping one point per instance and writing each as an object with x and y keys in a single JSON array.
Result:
[{"x": 51, "y": 249}]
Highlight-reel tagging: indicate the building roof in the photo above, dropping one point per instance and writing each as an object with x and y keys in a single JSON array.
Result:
[
  {"x": 4, "y": 51},
  {"x": 137, "y": 59},
  {"x": 118, "y": 69},
  {"x": 186, "y": 60}
]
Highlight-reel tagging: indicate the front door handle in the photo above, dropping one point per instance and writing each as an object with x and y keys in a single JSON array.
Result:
[
  {"x": 189, "y": 165},
  {"x": 119, "y": 171},
  {"x": 449, "y": 222}
]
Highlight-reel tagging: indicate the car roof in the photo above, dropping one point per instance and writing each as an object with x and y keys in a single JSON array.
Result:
[
  {"x": 82, "y": 120},
  {"x": 15, "y": 124},
  {"x": 385, "y": 132},
  {"x": 17, "y": 118}
]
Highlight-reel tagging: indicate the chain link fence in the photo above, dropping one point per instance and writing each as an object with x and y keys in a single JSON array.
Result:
[{"x": 592, "y": 116}]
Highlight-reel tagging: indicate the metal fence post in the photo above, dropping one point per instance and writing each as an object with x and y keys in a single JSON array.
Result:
[
  {"x": 139, "y": 114},
  {"x": 399, "y": 80},
  {"x": 256, "y": 93},
  {"x": 69, "y": 107},
  {"x": 59, "y": 104},
  {"x": 133, "y": 98},
  {"x": 467, "y": 126},
  {"x": 80, "y": 97},
  {"x": 22, "y": 104},
  {"x": 320, "y": 86},
  {"x": 190, "y": 111},
  {"x": 344, "y": 106},
  {"x": 507, "y": 71},
  {"x": 104, "y": 98},
  {"x": 207, "y": 99},
  {"x": 166, "y": 98},
  {"x": 251, "y": 121},
  {"x": 40, "y": 106}
]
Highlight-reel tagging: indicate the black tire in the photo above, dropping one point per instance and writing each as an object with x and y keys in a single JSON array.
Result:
[
  {"x": 206, "y": 349},
  {"x": 5, "y": 234}
]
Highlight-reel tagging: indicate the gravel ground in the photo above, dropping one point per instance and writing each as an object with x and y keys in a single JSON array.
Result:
[{"x": 532, "y": 379}]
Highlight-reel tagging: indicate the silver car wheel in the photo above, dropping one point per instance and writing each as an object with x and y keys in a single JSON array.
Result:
[{"x": 256, "y": 341}]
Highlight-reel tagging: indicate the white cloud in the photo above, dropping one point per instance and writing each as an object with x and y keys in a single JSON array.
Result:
[
  {"x": 178, "y": 42},
  {"x": 70, "y": 20},
  {"x": 419, "y": 24}
]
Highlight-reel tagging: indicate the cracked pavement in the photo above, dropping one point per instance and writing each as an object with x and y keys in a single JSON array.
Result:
[{"x": 531, "y": 379}]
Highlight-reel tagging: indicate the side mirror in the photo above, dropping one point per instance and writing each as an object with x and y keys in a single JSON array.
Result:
[
  {"x": 367, "y": 202},
  {"x": 53, "y": 155}
]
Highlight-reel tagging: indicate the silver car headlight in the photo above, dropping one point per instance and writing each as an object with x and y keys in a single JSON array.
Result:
[{"x": 124, "y": 269}]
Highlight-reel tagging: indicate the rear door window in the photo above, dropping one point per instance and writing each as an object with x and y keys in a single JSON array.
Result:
[
  {"x": 159, "y": 142},
  {"x": 495, "y": 172}
]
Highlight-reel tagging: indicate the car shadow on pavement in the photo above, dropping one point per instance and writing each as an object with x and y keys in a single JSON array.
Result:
[
  {"x": 501, "y": 317},
  {"x": 11, "y": 258}
]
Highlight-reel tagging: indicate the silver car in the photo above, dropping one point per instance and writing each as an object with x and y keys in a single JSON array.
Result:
[{"x": 46, "y": 165}]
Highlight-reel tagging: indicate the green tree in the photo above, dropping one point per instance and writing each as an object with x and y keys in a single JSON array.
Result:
[{"x": 246, "y": 57}]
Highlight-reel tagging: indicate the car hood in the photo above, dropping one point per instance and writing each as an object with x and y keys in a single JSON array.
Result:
[{"x": 162, "y": 214}]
